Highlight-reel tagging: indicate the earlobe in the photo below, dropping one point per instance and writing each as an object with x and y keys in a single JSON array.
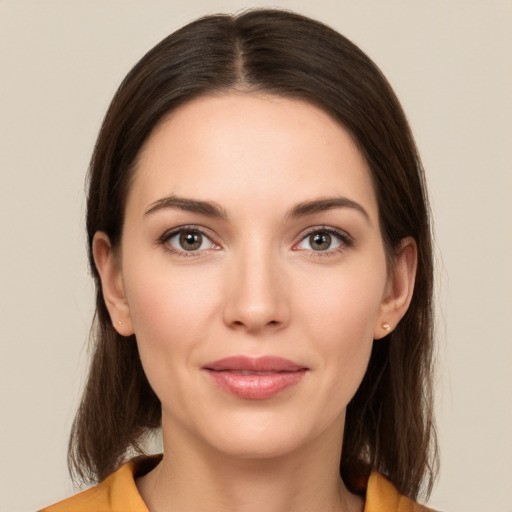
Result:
[
  {"x": 399, "y": 289},
  {"x": 112, "y": 285}
]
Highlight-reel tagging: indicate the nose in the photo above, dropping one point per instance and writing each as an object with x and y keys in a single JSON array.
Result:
[{"x": 256, "y": 298}]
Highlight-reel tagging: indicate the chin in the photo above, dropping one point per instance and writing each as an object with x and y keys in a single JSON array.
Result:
[
  {"x": 268, "y": 438},
  {"x": 258, "y": 447}
]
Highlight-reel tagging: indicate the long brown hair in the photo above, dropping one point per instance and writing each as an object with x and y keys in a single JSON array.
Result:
[{"x": 389, "y": 422}]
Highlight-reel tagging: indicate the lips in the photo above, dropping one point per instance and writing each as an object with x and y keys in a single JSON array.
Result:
[{"x": 255, "y": 378}]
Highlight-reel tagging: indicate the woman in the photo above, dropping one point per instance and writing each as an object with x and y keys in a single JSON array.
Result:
[{"x": 259, "y": 234}]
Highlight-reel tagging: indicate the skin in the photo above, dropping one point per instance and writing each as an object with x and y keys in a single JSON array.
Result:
[{"x": 257, "y": 285}]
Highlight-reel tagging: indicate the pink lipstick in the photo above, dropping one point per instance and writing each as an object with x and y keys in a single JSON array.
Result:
[{"x": 255, "y": 378}]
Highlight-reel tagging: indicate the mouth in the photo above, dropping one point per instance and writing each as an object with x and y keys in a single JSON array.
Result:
[{"x": 255, "y": 378}]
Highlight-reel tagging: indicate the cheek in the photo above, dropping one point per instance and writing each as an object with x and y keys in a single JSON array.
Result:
[
  {"x": 339, "y": 312},
  {"x": 164, "y": 301},
  {"x": 170, "y": 310},
  {"x": 344, "y": 303}
]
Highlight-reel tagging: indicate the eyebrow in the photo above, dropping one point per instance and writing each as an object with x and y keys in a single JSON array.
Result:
[
  {"x": 214, "y": 210},
  {"x": 208, "y": 208},
  {"x": 321, "y": 205}
]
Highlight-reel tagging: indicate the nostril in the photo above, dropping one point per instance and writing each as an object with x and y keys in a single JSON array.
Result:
[{"x": 241, "y": 323}]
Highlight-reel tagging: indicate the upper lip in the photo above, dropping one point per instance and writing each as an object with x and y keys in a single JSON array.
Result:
[{"x": 254, "y": 364}]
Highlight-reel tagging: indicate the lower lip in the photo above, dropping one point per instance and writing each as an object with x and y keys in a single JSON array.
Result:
[{"x": 255, "y": 387}]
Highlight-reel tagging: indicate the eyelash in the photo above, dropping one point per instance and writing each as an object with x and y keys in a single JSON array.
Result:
[
  {"x": 168, "y": 235},
  {"x": 346, "y": 241}
]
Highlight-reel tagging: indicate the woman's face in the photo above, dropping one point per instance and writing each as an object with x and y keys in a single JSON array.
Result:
[{"x": 252, "y": 271}]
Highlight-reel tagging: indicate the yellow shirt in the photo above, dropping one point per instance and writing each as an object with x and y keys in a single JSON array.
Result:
[{"x": 118, "y": 493}]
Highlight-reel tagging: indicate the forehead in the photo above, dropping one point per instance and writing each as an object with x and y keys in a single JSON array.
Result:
[{"x": 250, "y": 147}]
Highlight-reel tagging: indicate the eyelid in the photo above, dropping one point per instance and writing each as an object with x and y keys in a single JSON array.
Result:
[
  {"x": 345, "y": 238},
  {"x": 170, "y": 233}
]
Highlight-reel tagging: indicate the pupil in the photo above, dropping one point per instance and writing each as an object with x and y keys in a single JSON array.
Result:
[
  {"x": 190, "y": 241},
  {"x": 320, "y": 241}
]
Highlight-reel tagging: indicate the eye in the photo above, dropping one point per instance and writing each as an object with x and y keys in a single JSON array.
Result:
[
  {"x": 187, "y": 240},
  {"x": 324, "y": 240}
]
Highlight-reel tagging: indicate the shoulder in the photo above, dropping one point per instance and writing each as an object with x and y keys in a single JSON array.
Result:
[
  {"x": 382, "y": 496},
  {"x": 117, "y": 493}
]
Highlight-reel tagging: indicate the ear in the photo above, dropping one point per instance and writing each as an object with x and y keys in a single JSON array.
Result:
[
  {"x": 112, "y": 285},
  {"x": 399, "y": 288}
]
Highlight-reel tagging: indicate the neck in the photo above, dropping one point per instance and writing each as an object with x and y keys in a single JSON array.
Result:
[{"x": 199, "y": 478}]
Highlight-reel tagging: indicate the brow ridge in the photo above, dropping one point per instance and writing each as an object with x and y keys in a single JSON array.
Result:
[
  {"x": 212, "y": 209},
  {"x": 208, "y": 208},
  {"x": 323, "y": 204}
]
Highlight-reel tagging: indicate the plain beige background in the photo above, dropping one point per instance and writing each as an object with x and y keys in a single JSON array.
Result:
[{"x": 60, "y": 63}]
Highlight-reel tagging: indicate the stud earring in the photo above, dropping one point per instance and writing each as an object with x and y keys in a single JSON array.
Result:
[
  {"x": 119, "y": 323},
  {"x": 386, "y": 326}
]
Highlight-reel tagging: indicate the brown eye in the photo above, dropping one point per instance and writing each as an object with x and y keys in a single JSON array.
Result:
[
  {"x": 190, "y": 241},
  {"x": 320, "y": 241},
  {"x": 324, "y": 240},
  {"x": 187, "y": 240}
]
